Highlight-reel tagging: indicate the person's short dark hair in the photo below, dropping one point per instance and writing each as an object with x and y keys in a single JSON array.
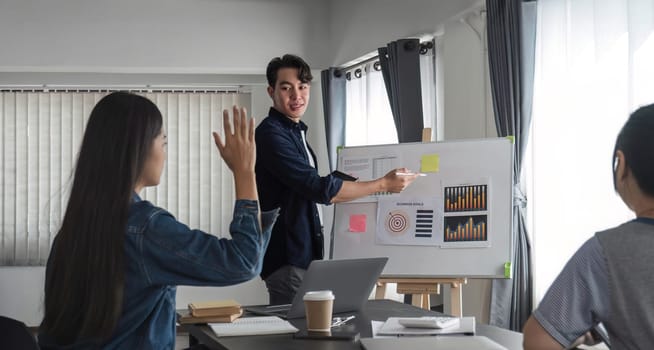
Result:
[
  {"x": 288, "y": 61},
  {"x": 636, "y": 142}
]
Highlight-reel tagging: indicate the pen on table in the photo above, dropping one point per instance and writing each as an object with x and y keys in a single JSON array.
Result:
[
  {"x": 409, "y": 174},
  {"x": 343, "y": 321}
]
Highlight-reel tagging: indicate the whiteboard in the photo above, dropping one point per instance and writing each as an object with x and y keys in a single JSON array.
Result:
[{"x": 455, "y": 221}]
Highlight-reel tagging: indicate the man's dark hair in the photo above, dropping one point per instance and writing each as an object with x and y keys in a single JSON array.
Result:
[
  {"x": 288, "y": 61},
  {"x": 636, "y": 142}
]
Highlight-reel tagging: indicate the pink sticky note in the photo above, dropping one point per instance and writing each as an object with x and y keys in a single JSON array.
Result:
[{"x": 358, "y": 223}]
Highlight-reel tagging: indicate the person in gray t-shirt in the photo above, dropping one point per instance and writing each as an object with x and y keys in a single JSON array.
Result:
[{"x": 609, "y": 279}]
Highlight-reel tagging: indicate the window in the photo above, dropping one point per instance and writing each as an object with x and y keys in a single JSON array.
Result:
[
  {"x": 39, "y": 139},
  {"x": 593, "y": 68},
  {"x": 368, "y": 120}
]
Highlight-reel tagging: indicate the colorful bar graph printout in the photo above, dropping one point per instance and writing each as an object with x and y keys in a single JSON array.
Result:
[
  {"x": 471, "y": 228},
  {"x": 465, "y": 198}
]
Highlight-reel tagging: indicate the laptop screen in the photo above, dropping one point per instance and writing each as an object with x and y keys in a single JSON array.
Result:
[{"x": 351, "y": 281}]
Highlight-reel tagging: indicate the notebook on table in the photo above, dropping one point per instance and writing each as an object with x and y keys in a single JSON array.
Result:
[
  {"x": 253, "y": 326},
  {"x": 351, "y": 281}
]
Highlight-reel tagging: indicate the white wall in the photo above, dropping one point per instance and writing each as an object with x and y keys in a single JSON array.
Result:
[
  {"x": 361, "y": 26},
  {"x": 170, "y": 36},
  {"x": 466, "y": 95},
  {"x": 21, "y": 293},
  {"x": 467, "y": 110},
  {"x": 224, "y": 42}
]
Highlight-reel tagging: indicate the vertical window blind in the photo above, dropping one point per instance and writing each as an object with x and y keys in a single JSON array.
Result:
[{"x": 40, "y": 135}]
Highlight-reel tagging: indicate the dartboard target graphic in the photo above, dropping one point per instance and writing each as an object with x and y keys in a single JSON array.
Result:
[{"x": 397, "y": 222}]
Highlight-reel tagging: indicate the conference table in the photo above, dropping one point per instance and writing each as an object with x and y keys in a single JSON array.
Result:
[{"x": 373, "y": 310}]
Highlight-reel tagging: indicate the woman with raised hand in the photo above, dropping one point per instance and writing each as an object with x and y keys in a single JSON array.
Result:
[{"x": 116, "y": 261}]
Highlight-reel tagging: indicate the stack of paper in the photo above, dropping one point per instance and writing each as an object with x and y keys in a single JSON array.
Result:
[{"x": 253, "y": 326}]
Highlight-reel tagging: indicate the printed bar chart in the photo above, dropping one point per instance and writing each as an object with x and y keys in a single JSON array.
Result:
[
  {"x": 465, "y": 228},
  {"x": 465, "y": 198}
]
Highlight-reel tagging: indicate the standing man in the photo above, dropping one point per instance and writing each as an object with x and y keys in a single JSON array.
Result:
[{"x": 287, "y": 177}]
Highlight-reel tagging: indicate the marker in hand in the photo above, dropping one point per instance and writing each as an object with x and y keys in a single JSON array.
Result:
[{"x": 409, "y": 174}]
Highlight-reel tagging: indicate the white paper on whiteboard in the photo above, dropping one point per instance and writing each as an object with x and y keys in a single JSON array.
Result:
[{"x": 409, "y": 221}]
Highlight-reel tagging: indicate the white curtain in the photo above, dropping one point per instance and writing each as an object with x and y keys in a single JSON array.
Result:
[
  {"x": 368, "y": 119},
  {"x": 428, "y": 86},
  {"x": 594, "y": 65},
  {"x": 39, "y": 140}
]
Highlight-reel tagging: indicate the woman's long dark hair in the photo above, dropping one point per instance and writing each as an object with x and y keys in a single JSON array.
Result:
[{"x": 86, "y": 269}]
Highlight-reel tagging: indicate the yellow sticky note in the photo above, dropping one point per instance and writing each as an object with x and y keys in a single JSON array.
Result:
[
  {"x": 511, "y": 138},
  {"x": 429, "y": 163}
]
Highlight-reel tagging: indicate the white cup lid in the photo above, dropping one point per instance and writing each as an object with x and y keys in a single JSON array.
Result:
[{"x": 319, "y": 295}]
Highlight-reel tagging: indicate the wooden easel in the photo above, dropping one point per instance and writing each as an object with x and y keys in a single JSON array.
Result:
[{"x": 420, "y": 288}]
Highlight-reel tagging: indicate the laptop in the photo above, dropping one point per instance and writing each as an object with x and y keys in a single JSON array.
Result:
[
  {"x": 431, "y": 343},
  {"x": 351, "y": 281}
]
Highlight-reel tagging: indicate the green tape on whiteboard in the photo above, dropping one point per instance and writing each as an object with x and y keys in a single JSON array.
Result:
[{"x": 507, "y": 270}]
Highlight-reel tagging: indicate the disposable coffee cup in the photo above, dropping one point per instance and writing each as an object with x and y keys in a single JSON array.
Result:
[{"x": 318, "y": 309}]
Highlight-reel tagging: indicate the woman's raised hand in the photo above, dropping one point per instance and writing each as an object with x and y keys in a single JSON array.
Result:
[{"x": 239, "y": 149}]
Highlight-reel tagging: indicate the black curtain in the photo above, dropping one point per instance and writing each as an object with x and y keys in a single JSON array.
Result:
[
  {"x": 400, "y": 63},
  {"x": 511, "y": 57},
  {"x": 333, "y": 101}
]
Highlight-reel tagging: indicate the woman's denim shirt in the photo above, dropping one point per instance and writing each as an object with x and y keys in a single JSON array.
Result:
[{"x": 162, "y": 253}]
